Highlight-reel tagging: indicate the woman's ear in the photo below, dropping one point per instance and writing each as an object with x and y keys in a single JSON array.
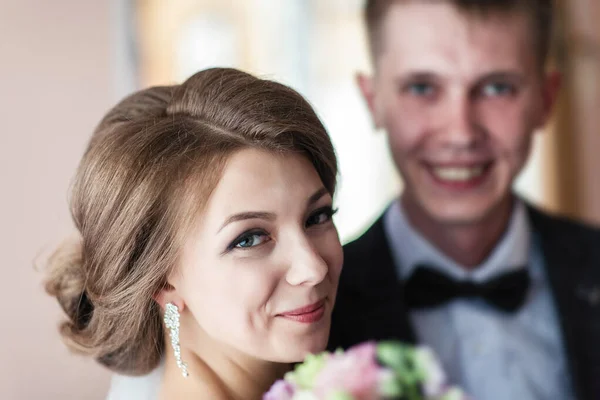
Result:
[{"x": 168, "y": 294}]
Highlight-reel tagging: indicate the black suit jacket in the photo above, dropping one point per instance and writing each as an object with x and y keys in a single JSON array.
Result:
[{"x": 370, "y": 304}]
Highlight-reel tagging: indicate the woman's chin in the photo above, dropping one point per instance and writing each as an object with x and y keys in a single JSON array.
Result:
[{"x": 313, "y": 345}]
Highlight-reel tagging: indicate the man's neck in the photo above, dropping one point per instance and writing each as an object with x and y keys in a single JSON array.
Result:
[{"x": 469, "y": 245}]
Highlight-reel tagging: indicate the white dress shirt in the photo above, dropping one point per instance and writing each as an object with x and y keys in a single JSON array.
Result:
[{"x": 491, "y": 354}]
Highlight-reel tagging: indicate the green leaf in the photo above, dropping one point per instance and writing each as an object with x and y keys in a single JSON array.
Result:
[
  {"x": 339, "y": 395},
  {"x": 392, "y": 354},
  {"x": 401, "y": 359},
  {"x": 304, "y": 374},
  {"x": 390, "y": 387}
]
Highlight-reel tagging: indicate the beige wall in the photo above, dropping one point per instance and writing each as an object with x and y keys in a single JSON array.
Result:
[
  {"x": 583, "y": 85},
  {"x": 57, "y": 77},
  {"x": 575, "y": 140}
]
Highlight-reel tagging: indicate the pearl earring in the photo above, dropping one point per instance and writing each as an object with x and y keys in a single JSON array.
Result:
[{"x": 171, "y": 319}]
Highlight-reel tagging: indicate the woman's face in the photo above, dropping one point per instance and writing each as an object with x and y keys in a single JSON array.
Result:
[{"x": 259, "y": 274}]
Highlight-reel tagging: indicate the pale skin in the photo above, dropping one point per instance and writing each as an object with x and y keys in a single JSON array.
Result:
[
  {"x": 264, "y": 245},
  {"x": 460, "y": 104}
]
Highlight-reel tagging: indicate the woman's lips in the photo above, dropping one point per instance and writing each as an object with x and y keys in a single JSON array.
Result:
[{"x": 308, "y": 314}]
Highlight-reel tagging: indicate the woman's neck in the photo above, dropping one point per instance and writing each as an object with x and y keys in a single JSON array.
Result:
[{"x": 222, "y": 372}]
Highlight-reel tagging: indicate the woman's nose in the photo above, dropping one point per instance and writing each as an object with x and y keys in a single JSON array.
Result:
[{"x": 307, "y": 267}]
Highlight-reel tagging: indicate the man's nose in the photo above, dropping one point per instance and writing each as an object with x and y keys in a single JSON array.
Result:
[{"x": 460, "y": 129}]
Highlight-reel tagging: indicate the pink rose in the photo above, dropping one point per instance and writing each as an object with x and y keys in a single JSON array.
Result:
[
  {"x": 355, "y": 372},
  {"x": 281, "y": 390}
]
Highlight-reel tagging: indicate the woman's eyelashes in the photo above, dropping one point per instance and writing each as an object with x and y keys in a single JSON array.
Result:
[
  {"x": 256, "y": 237},
  {"x": 249, "y": 239},
  {"x": 320, "y": 216}
]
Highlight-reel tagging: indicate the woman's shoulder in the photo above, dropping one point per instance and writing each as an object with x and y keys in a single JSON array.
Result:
[{"x": 145, "y": 387}]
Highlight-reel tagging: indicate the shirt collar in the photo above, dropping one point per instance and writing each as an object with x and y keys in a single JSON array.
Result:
[{"x": 409, "y": 248}]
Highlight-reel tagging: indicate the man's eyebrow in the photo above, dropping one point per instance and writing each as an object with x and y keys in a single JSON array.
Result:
[
  {"x": 513, "y": 76},
  {"x": 416, "y": 76}
]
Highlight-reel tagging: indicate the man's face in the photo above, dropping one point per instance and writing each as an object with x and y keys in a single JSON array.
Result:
[{"x": 460, "y": 97}]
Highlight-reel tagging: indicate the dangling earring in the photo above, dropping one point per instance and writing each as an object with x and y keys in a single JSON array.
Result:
[{"x": 171, "y": 319}]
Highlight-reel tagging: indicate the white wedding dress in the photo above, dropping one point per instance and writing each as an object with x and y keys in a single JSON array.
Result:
[{"x": 143, "y": 387}]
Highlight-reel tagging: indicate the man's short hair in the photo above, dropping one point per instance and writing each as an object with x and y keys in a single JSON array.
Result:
[{"x": 540, "y": 14}]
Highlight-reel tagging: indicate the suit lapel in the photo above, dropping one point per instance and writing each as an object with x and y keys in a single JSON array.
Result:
[
  {"x": 575, "y": 284},
  {"x": 384, "y": 299}
]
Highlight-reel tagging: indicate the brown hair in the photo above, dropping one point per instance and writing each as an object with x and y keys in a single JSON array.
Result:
[
  {"x": 539, "y": 11},
  {"x": 152, "y": 164}
]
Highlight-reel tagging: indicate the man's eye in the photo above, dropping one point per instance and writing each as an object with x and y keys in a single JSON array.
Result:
[
  {"x": 320, "y": 216},
  {"x": 251, "y": 240},
  {"x": 498, "y": 89},
  {"x": 420, "y": 89}
]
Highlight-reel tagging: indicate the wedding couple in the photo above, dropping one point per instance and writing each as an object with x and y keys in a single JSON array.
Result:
[{"x": 209, "y": 262}]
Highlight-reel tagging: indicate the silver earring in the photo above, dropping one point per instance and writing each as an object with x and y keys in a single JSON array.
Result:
[{"x": 172, "y": 323}]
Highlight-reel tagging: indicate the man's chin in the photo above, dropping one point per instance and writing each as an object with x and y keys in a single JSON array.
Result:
[{"x": 465, "y": 214}]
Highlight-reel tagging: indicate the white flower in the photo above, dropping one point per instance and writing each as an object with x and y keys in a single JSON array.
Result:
[
  {"x": 305, "y": 395},
  {"x": 435, "y": 378}
]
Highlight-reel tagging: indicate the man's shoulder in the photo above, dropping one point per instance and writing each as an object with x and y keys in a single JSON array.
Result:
[
  {"x": 371, "y": 247},
  {"x": 368, "y": 259},
  {"x": 368, "y": 293},
  {"x": 567, "y": 242},
  {"x": 370, "y": 238},
  {"x": 564, "y": 227}
]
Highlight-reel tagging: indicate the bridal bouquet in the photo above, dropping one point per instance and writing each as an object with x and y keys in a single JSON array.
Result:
[{"x": 369, "y": 371}]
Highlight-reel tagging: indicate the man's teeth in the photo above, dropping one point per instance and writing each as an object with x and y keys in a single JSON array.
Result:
[{"x": 457, "y": 174}]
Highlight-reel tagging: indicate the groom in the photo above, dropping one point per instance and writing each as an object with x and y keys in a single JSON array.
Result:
[{"x": 506, "y": 295}]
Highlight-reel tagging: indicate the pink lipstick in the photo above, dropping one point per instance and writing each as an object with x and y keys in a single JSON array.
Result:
[{"x": 307, "y": 314}]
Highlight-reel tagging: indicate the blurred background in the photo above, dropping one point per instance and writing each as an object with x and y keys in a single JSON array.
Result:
[{"x": 65, "y": 62}]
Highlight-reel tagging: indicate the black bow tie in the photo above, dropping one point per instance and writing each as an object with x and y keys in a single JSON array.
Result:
[{"x": 427, "y": 288}]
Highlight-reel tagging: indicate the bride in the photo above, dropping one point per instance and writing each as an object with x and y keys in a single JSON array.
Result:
[{"x": 206, "y": 241}]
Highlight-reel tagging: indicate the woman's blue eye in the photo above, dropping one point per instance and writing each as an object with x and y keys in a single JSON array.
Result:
[{"x": 251, "y": 240}]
